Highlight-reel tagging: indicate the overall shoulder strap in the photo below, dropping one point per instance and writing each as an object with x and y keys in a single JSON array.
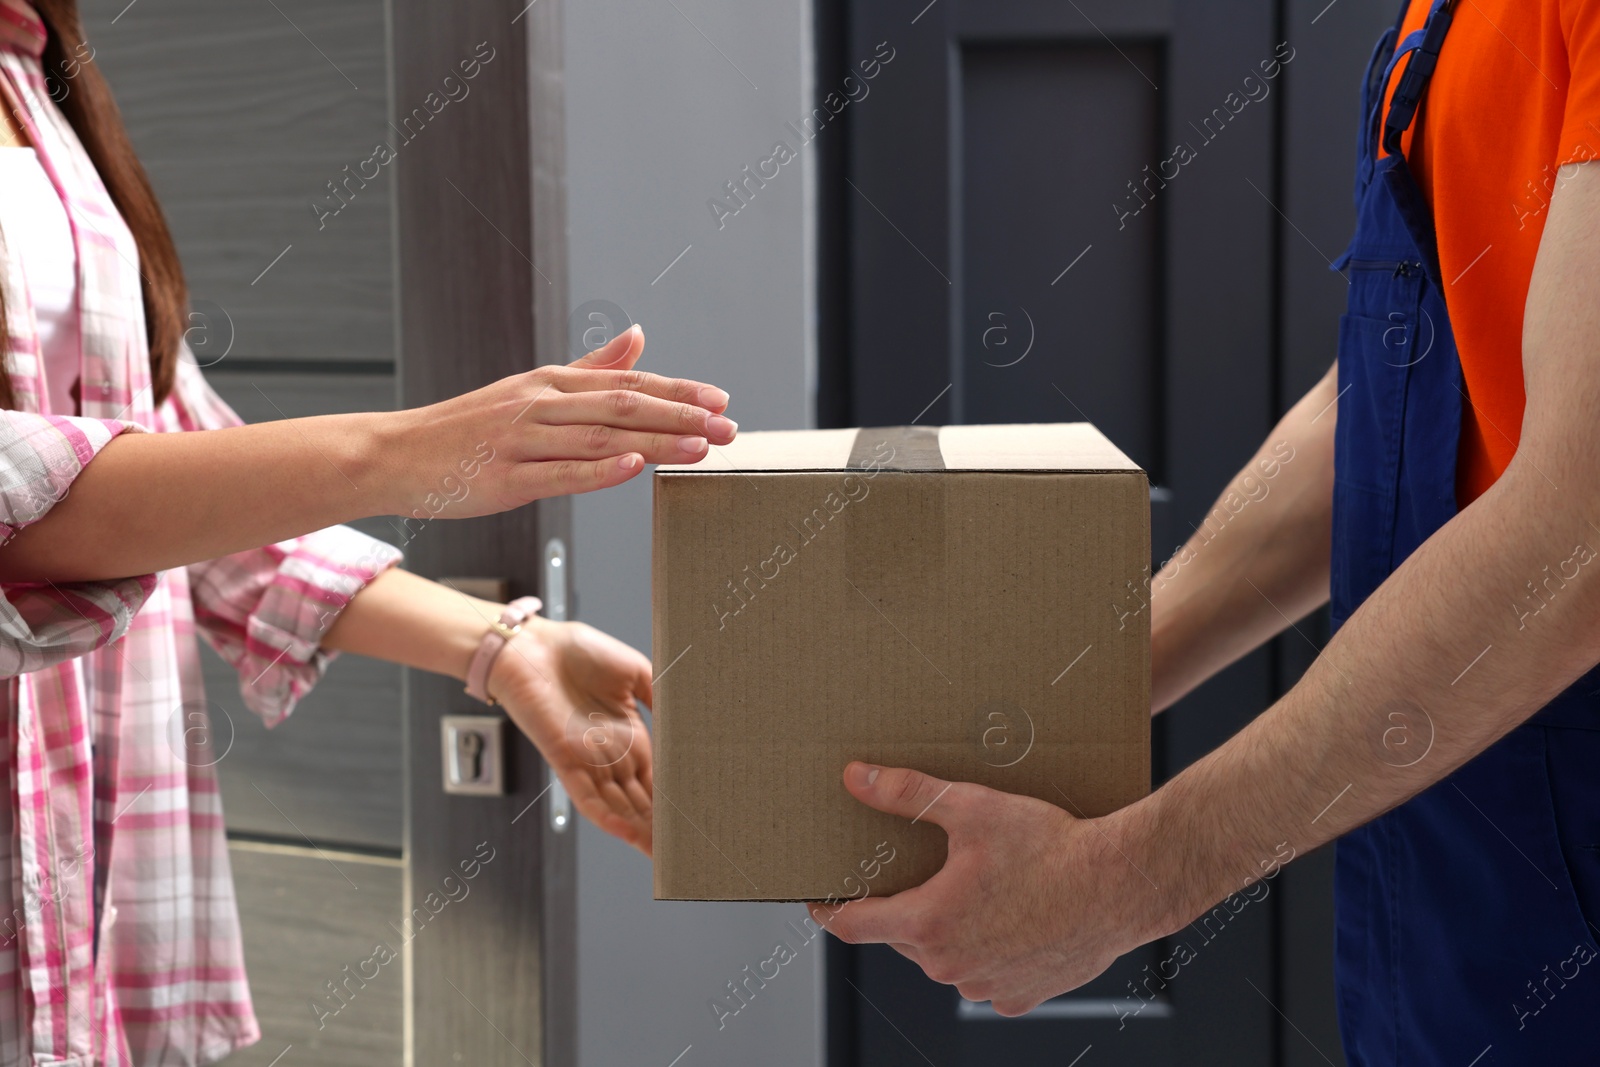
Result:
[{"x": 1423, "y": 46}]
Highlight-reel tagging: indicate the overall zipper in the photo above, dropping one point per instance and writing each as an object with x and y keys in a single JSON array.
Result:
[{"x": 1402, "y": 269}]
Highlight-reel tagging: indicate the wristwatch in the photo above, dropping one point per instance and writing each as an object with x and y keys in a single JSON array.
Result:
[{"x": 494, "y": 640}]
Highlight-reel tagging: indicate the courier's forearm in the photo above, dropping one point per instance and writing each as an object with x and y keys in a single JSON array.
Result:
[
  {"x": 1259, "y": 560},
  {"x": 1480, "y": 627},
  {"x": 1444, "y": 658}
]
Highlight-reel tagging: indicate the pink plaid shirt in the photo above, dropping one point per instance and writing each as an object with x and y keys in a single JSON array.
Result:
[{"x": 119, "y": 935}]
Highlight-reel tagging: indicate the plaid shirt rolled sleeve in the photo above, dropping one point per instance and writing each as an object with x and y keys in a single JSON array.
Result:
[
  {"x": 266, "y": 610},
  {"x": 42, "y": 624}
]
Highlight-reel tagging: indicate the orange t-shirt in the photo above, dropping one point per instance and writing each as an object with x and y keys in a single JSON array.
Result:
[{"x": 1515, "y": 95}]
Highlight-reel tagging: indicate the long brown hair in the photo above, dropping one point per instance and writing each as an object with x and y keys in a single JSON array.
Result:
[{"x": 85, "y": 99}]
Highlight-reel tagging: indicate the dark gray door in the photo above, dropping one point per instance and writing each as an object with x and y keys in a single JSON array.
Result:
[{"x": 1048, "y": 211}]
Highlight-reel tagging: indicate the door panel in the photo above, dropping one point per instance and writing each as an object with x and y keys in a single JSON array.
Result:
[
  {"x": 1047, "y": 128},
  {"x": 267, "y": 390},
  {"x": 243, "y": 114},
  {"x": 328, "y": 773},
  {"x": 294, "y": 952}
]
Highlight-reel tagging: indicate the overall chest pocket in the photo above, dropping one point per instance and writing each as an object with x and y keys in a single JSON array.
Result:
[{"x": 1381, "y": 338}]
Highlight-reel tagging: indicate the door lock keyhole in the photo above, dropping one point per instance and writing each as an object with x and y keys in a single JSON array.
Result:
[
  {"x": 469, "y": 746},
  {"x": 474, "y": 753}
]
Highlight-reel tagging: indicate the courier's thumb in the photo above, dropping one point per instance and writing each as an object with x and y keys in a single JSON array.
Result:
[{"x": 907, "y": 793}]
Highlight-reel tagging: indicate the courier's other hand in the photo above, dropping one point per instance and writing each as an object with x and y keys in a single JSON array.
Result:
[
  {"x": 546, "y": 432},
  {"x": 576, "y": 693},
  {"x": 1031, "y": 902}
]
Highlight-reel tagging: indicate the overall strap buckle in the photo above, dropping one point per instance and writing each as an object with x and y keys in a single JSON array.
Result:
[{"x": 1419, "y": 71}]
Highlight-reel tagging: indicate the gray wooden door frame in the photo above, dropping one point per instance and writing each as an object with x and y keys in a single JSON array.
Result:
[{"x": 481, "y": 239}]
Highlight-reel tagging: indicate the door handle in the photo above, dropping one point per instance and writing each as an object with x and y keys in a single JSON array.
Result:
[{"x": 554, "y": 588}]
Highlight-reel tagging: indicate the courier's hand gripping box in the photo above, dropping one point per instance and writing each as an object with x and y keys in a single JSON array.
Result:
[{"x": 968, "y": 601}]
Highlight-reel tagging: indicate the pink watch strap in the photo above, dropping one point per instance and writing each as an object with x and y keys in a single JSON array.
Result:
[{"x": 494, "y": 640}]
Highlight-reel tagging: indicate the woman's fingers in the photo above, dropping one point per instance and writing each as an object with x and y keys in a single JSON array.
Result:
[
  {"x": 636, "y": 815},
  {"x": 602, "y": 803},
  {"x": 619, "y": 353},
  {"x": 630, "y": 826},
  {"x": 643, "y": 688},
  {"x": 640, "y": 799},
  {"x": 615, "y": 799},
  {"x": 598, "y": 442},
  {"x": 632, "y": 411},
  {"x": 682, "y": 390},
  {"x": 643, "y": 838},
  {"x": 562, "y": 477}
]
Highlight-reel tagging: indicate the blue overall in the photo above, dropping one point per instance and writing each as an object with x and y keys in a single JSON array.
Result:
[{"x": 1466, "y": 918}]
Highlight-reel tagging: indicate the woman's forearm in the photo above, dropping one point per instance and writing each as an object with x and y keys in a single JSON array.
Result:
[
  {"x": 403, "y": 618},
  {"x": 1258, "y": 562},
  {"x": 150, "y": 501}
]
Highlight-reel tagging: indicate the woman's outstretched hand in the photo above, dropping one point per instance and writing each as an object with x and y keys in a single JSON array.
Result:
[
  {"x": 547, "y": 432},
  {"x": 576, "y": 693},
  {"x": 155, "y": 501}
]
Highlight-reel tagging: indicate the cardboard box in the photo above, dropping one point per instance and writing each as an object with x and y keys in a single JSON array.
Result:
[{"x": 968, "y": 601}]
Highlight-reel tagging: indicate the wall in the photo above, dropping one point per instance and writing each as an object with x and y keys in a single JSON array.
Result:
[{"x": 665, "y": 103}]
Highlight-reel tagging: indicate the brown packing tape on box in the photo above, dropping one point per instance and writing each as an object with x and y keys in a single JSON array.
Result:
[
  {"x": 856, "y": 597},
  {"x": 908, "y": 513}
]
